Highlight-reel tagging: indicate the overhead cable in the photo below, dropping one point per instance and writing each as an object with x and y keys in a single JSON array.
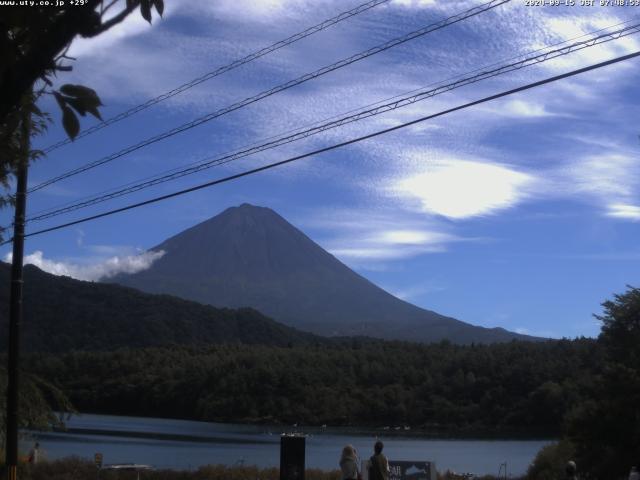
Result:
[
  {"x": 335, "y": 146},
  {"x": 220, "y": 70},
  {"x": 397, "y": 102},
  {"x": 267, "y": 93}
]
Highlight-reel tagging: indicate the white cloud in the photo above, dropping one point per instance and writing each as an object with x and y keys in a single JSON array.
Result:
[
  {"x": 414, "y": 3},
  {"x": 570, "y": 28},
  {"x": 521, "y": 108},
  {"x": 414, "y": 292},
  {"x": 609, "y": 175},
  {"x": 382, "y": 242},
  {"x": 94, "y": 271},
  {"x": 627, "y": 212},
  {"x": 372, "y": 235},
  {"x": 133, "y": 25},
  {"x": 460, "y": 189}
]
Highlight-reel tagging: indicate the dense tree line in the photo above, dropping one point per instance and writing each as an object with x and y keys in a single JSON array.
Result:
[
  {"x": 519, "y": 386},
  {"x": 605, "y": 428},
  {"x": 62, "y": 314}
]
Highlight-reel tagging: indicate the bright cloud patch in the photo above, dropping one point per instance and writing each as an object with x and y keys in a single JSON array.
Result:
[
  {"x": 607, "y": 175},
  {"x": 612, "y": 179},
  {"x": 630, "y": 212},
  {"x": 366, "y": 237},
  {"x": 575, "y": 28},
  {"x": 520, "y": 108},
  {"x": 414, "y": 3},
  {"x": 461, "y": 189},
  {"x": 392, "y": 244},
  {"x": 104, "y": 269}
]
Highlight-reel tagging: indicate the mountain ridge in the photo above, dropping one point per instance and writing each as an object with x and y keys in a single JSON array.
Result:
[{"x": 63, "y": 314}]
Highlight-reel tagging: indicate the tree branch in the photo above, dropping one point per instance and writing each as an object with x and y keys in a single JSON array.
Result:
[
  {"x": 113, "y": 21},
  {"x": 15, "y": 82}
]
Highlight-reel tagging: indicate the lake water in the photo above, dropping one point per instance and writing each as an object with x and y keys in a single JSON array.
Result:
[{"x": 180, "y": 444}]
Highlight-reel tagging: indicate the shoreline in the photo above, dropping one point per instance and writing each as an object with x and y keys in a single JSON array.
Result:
[{"x": 422, "y": 432}]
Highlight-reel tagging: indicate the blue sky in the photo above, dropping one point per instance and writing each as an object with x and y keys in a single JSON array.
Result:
[{"x": 521, "y": 213}]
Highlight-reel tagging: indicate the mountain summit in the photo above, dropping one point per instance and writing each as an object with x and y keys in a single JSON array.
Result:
[{"x": 250, "y": 256}]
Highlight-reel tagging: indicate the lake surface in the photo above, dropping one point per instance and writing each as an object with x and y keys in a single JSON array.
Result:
[{"x": 180, "y": 444}]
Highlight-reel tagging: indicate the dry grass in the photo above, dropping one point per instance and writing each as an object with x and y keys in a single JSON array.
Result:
[
  {"x": 73, "y": 468},
  {"x": 78, "y": 469}
]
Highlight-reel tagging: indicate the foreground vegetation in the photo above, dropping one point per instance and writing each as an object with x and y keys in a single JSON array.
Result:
[{"x": 77, "y": 469}]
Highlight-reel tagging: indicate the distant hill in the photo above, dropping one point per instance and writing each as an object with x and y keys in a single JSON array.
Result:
[
  {"x": 62, "y": 314},
  {"x": 250, "y": 256}
]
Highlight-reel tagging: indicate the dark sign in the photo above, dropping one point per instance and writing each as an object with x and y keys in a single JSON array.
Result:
[
  {"x": 292, "y": 449},
  {"x": 98, "y": 459},
  {"x": 411, "y": 470}
]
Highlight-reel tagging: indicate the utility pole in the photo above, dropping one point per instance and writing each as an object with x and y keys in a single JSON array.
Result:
[{"x": 15, "y": 308}]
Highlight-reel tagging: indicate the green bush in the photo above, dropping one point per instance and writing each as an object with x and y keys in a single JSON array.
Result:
[{"x": 550, "y": 462}]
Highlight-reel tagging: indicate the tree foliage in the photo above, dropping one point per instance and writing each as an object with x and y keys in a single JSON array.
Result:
[
  {"x": 605, "y": 426},
  {"x": 441, "y": 387},
  {"x": 551, "y": 461},
  {"x": 38, "y": 399},
  {"x": 34, "y": 41}
]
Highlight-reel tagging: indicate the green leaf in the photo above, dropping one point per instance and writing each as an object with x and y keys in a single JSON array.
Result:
[
  {"x": 82, "y": 99},
  {"x": 78, "y": 105},
  {"x": 61, "y": 100},
  {"x": 70, "y": 122},
  {"x": 81, "y": 91},
  {"x": 94, "y": 111},
  {"x": 145, "y": 9},
  {"x": 159, "y": 6}
]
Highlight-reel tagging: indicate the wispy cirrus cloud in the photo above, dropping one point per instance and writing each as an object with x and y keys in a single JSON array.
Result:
[
  {"x": 366, "y": 236},
  {"x": 627, "y": 212}
]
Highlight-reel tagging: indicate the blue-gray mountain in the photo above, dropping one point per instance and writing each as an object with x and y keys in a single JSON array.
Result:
[{"x": 250, "y": 256}]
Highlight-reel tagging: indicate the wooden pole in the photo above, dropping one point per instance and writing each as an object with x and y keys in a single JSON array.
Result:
[{"x": 15, "y": 307}]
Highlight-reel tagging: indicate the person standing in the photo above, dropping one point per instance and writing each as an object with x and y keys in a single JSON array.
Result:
[
  {"x": 379, "y": 468},
  {"x": 34, "y": 453},
  {"x": 571, "y": 470},
  {"x": 349, "y": 464}
]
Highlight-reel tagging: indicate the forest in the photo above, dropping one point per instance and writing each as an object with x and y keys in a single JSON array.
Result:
[
  {"x": 585, "y": 392},
  {"x": 522, "y": 387}
]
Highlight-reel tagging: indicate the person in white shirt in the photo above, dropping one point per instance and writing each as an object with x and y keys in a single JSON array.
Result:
[
  {"x": 349, "y": 464},
  {"x": 34, "y": 454}
]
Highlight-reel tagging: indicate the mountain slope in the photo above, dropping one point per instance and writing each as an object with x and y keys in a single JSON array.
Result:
[
  {"x": 251, "y": 256},
  {"x": 62, "y": 314}
]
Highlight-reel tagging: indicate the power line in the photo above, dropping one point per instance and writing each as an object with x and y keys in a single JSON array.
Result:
[
  {"x": 319, "y": 122},
  {"x": 220, "y": 70},
  {"x": 398, "y": 102},
  {"x": 267, "y": 93},
  {"x": 336, "y": 146}
]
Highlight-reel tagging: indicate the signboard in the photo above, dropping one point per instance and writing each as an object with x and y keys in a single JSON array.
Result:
[
  {"x": 412, "y": 470},
  {"x": 292, "y": 453},
  {"x": 98, "y": 459},
  {"x": 405, "y": 470}
]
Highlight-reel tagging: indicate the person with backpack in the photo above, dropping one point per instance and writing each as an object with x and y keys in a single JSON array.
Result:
[{"x": 379, "y": 467}]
